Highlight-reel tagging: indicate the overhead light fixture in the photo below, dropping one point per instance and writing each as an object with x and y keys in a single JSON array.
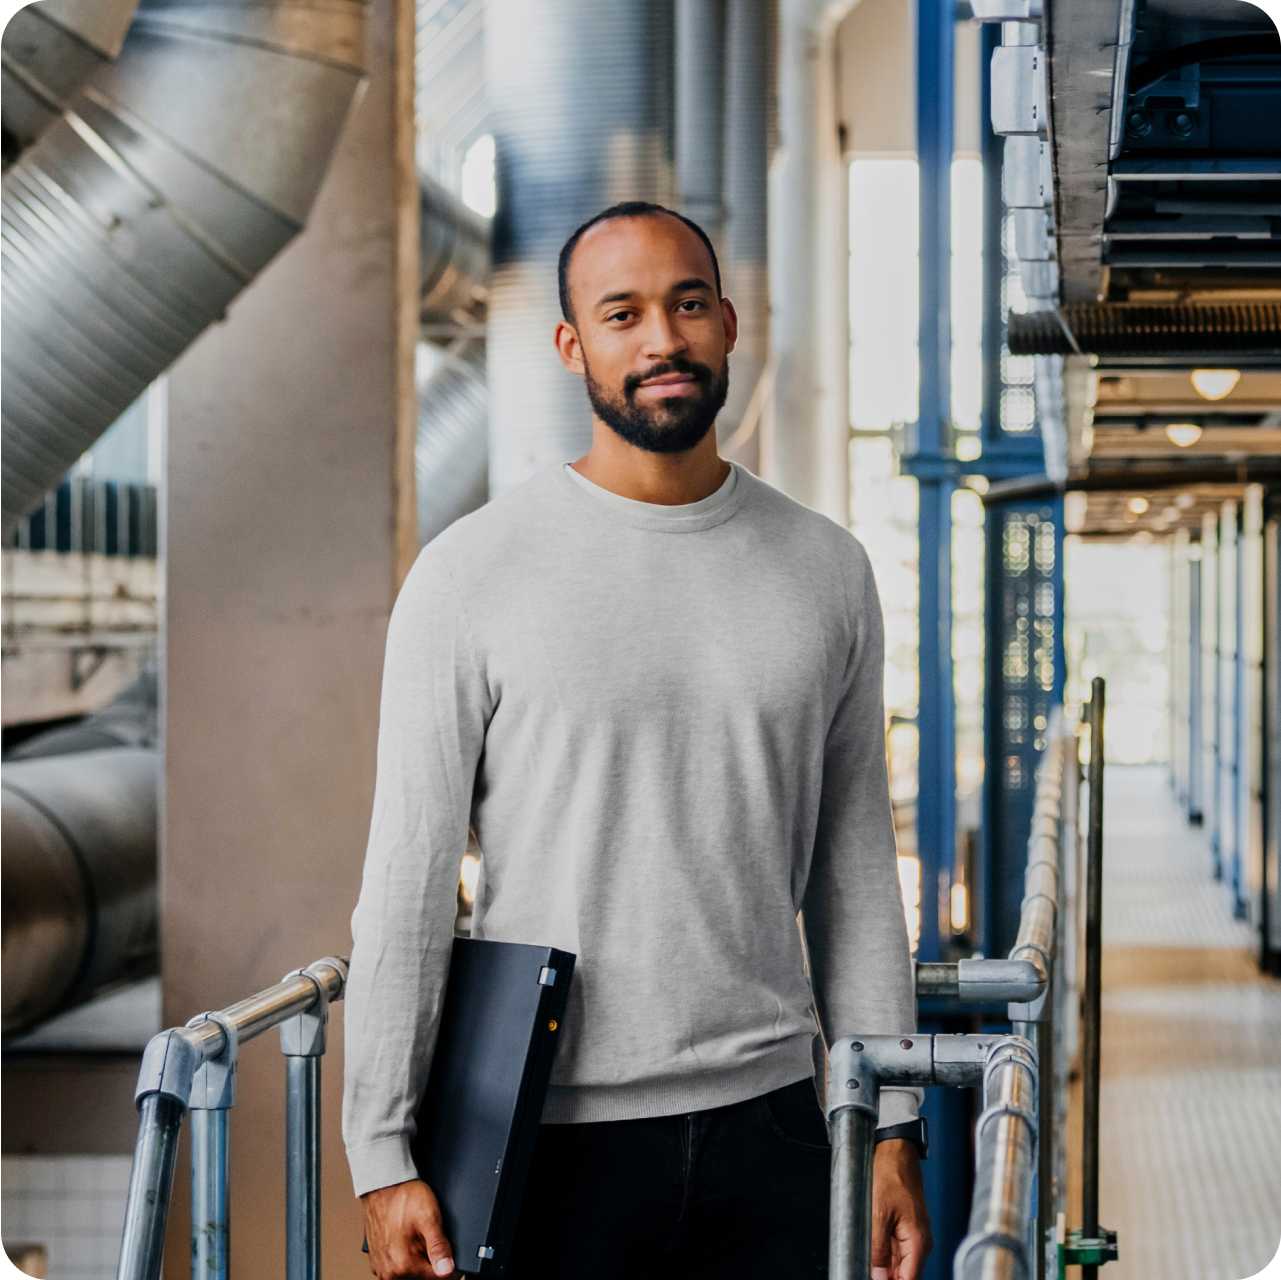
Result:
[
  {"x": 1183, "y": 434},
  {"x": 1138, "y": 505},
  {"x": 1215, "y": 384}
]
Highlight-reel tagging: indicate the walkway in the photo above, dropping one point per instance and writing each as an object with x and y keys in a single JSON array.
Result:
[{"x": 1191, "y": 1093}]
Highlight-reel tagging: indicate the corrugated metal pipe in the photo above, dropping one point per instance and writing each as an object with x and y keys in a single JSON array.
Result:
[
  {"x": 49, "y": 50},
  {"x": 580, "y": 96},
  {"x": 1128, "y": 329},
  {"x": 79, "y": 879},
  {"x": 145, "y": 209}
]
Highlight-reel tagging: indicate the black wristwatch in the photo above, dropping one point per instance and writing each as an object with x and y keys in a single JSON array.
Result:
[{"x": 915, "y": 1131}]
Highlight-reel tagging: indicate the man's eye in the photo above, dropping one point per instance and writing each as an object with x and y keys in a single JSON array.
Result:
[
  {"x": 616, "y": 315},
  {"x": 696, "y": 302}
]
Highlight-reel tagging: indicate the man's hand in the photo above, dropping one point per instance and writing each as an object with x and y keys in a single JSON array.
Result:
[
  {"x": 901, "y": 1239},
  {"x": 403, "y": 1228}
]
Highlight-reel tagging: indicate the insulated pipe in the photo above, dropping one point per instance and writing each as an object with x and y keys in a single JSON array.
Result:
[
  {"x": 807, "y": 452},
  {"x": 49, "y": 50},
  {"x": 745, "y": 263},
  {"x": 130, "y": 719},
  {"x": 580, "y": 106},
  {"x": 79, "y": 878},
  {"x": 143, "y": 211}
]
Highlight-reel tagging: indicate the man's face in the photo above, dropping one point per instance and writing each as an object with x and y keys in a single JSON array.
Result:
[{"x": 653, "y": 338}]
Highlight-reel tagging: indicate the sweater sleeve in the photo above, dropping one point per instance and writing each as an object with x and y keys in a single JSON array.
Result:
[
  {"x": 855, "y": 931},
  {"x": 432, "y": 717}
]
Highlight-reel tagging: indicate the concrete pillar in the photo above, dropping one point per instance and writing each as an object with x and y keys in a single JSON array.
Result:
[{"x": 289, "y": 522}]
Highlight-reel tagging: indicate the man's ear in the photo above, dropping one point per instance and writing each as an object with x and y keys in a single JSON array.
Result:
[
  {"x": 568, "y": 347},
  {"x": 730, "y": 317}
]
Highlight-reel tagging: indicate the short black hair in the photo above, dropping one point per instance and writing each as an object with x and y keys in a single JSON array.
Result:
[{"x": 624, "y": 209}]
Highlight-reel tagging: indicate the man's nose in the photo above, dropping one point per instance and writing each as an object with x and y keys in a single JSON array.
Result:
[{"x": 662, "y": 338}]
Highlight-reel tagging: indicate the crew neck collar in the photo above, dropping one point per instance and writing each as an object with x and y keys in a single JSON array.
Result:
[{"x": 685, "y": 517}]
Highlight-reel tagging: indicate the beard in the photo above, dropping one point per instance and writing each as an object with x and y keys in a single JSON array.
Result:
[{"x": 669, "y": 425}]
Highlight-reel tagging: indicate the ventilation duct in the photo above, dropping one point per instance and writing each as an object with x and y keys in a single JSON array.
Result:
[
  {"x": 141, "y": 213},
  {"x": 580, "y": 98},
  {"x": 49, "y": 50},
  {"x": 79, "y": 872}
]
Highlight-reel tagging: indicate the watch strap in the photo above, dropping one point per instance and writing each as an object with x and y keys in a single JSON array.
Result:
[{"x": 914, "y": 1131}]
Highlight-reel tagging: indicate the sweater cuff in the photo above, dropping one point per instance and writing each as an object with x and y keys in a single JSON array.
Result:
[
  {"x": 897, "y": 1106},
  {"x": 381, "y": 1164}
]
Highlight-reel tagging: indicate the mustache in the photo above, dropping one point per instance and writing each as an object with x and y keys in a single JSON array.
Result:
[{"x": 696, "y": 371}]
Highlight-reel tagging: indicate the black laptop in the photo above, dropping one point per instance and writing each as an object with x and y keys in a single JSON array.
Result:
[{"x": 479, "y": 1116}]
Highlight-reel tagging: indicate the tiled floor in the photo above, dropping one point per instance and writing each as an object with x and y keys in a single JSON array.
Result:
[{"x": 1191, "y": 1093}]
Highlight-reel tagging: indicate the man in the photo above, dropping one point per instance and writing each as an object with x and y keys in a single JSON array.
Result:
[{"x": 653, "y": 683}]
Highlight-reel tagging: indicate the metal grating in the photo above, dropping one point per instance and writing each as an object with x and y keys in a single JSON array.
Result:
[{"x": 1025, "y": 679}]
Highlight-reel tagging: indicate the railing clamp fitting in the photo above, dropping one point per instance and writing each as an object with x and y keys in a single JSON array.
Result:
[
  {"x": 303, "y": 1035},
  {"x": 213, "y": 1087}
]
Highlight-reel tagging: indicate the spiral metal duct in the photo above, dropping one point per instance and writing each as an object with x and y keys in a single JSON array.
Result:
[
  {"x": 79, "y": 879},
  {"x": 139, "y": 215},
  {"x": 580, "y": 105},
  {"x": 451, "y": 451},
  {"x": 49, "y": 50},
  {"x": 455, "y": 255}
]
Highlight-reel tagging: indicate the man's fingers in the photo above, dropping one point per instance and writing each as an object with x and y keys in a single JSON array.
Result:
[
  {"x": 911, "y": 1248},
  {"x": 881, "y": 1236},
  {"x": 437, "y": 1246}
]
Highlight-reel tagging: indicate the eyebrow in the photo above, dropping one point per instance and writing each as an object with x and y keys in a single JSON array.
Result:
[{"x": 681, "y": 286}]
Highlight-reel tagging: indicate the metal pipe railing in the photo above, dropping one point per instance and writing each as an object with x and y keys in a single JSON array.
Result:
[
  {"x": 193, "y": 1068},
  {"x": 1015, "y": 1139},
  {"x": 1005, "y": 1066}
]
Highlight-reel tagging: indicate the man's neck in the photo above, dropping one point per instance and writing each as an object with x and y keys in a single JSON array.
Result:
[{"x": 668, "y": 479}]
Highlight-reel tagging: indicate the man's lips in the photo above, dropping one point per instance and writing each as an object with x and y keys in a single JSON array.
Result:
[{"x": 671, "y": 384}]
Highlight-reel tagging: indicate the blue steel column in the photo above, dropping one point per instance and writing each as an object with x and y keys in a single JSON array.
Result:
[{"x": 931, "y": 461}]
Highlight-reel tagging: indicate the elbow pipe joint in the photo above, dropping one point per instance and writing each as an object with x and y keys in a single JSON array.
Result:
[
  {"x": 169, "y": 1065},
  {"x": 1016, "y": 979},
  {"x": 984, "y": 981}
]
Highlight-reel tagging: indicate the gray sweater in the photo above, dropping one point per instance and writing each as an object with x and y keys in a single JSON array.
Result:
[{"x": 666, "y": 725}]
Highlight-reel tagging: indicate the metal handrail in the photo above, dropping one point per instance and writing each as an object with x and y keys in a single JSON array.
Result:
[
  {"x": 193, "y": 1068},
  {"x": 1007, "y": 1239}
]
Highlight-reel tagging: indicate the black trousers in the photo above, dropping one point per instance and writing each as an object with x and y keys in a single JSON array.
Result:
[{"x": 738, "y": 1191}]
